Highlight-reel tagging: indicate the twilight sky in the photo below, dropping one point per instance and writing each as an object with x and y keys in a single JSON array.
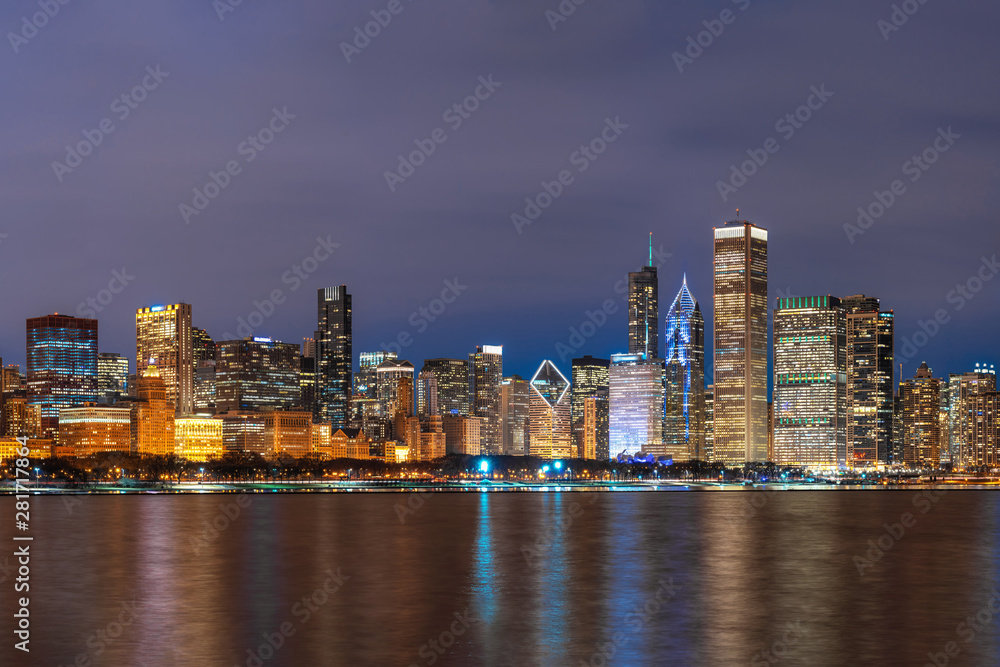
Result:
[{"x": 323, "y": 175}]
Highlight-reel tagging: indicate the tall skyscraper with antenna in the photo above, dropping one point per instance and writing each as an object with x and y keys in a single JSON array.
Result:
[{"x": 643, "y": 310}]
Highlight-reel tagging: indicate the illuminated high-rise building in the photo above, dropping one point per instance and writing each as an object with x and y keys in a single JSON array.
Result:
[
  {"x": 112, "y": 376},
  {"x": 635, "y": 403},
  {"x": 964, "y": 390},
  {"x": 202, "y": 346},
  {"x": 870, "y": 335},
  {"x": 94, "y": 429},
  {"x": 432, "y": 442},
  {"x": 452, "y": 377},
  {"x": 590, "y": 378},
  {"x": 485, "y": 375},
  {"x": 307, "y": 385},
  {"x": 334, "y": 355},
  {"x": 163, "y": 339},
  {"x": 643, "y": 310},
  {"x": 18, "y": 417},
  {"x": 593, "y": 406},
  {"x": 204, "y": 387},
  {"x": 463, "y": 435},
  {"x": 427, "y": 395},
  {"x": 921, "y": 405},
  {"x": 709, "y": 422},
  {"x": 984, "y": 441},
  {"x": 740, "y": 360},
  {"x": 257, "y": 374},
  {"x": 366, "y": 379},
  {"x": 550, "y": 435},
  {"x": 62, "y": 366},
  {"x": 388, "y": 374},
  {"x": 153, "y": 415},
  {"x": 684, "y": 378},
  {"x": 810, "y": 382},
  {"x": 515, "y": 399}
]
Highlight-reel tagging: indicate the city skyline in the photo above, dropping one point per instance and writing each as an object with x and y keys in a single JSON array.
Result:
[{"x": 659, "y": 176}]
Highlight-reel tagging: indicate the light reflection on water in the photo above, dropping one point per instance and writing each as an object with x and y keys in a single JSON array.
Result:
[{"x": 551, "y": 578}]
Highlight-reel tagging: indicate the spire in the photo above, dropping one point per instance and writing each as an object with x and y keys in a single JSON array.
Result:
[
  {"x": 651, "y": 248},
  {"x": 685, "y": 281}
]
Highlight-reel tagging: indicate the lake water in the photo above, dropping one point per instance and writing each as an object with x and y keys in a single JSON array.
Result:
[{"x": 640, "y": 578}]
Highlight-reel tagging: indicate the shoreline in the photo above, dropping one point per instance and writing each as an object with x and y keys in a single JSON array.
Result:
[{"x": 476, "y": 487}]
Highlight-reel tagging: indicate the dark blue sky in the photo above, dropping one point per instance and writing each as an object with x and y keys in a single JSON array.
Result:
[{"x": 324, "y": 173}]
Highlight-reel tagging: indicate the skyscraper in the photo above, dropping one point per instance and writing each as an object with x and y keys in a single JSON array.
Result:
[
  {"x": 452, "y": 384},
  {"x": 921, "y": 398},
  {"x": 202, "y": 345},
  {"x": 427, "y": 395},
  {"x": 153, "y": 416},
  {"x": 485, "y": 374},
  {"x": 388, "y": 375},
  {"x": 869, "y": 381},
  {"x": 366, "y": 379},
  {"x": 643, "y": 310},
  {"x": 684, "y": 373},
  {"x": 740, "y": 361},
  {"x": 965, "y": 389},
  {"x": 635, "y": 396},
  {"x": 334, "y": 355},
  {"x": 257, "y": 373},
  {"x": 112, "y": 376},
  {"x": 589, "y": 378},
  {"x": 515, "y": 400},
  {"x": 163, "y": 339},
  {"x": 62, "y": 366},
  {"x": 549, "y": 410},
  {"x": 810, "y": 382}
]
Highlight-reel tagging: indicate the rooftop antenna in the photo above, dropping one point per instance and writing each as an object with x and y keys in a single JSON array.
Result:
[{"x": 651, "y": 248}]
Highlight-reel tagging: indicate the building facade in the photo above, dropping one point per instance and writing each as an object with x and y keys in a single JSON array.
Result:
[
  {"x": 635, "y": 402},
  {"x": 921, "y": 422},
  {"x": 551, "y": 436},
  {"x": 870, "y": 340},
  {"x": 334, "y": 354},
  {"x": 485, "y": 376},
  {"x": 740, "y": 336},
  {"x": 515, "y": 399},
  {"x": 589, "y": 379},
  {"x": 257, "y": 374},
  {"x": 810, "y": 382},
  {"x": 62, "y": 366},
  {"x": 684, "y": 378},
  {"x": 452, "y": 377},
  {"x": 163, "y": 339}
]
